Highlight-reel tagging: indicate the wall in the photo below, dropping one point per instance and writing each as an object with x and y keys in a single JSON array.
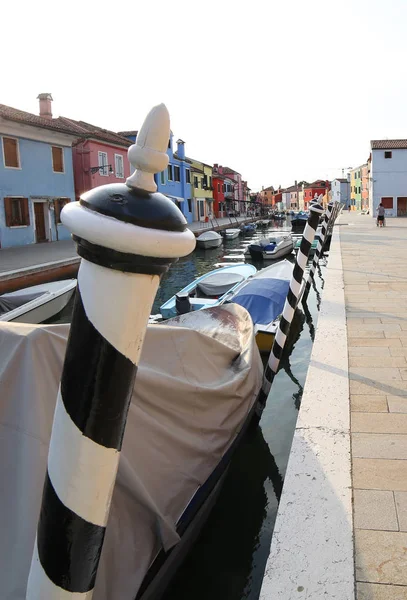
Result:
[
  {"x": 388, "y": 179},
  {"x": 356, "y": 189},
  {"x": 35, "y": 178},
  {"x": 340, "y": 192},
  {"x": 178, "y": 189}
]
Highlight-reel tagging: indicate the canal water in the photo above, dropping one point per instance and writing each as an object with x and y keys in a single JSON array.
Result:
[{"x": 229, "y": 558}]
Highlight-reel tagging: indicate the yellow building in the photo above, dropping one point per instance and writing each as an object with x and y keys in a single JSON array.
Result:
[{"x": 202, "y": 190}]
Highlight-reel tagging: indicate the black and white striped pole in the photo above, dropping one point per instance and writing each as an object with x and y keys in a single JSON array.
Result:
[
  {"x": 321, "y": 241},
  {"x": 291, "y": 302},
  {"x": 127, "y": 236}
]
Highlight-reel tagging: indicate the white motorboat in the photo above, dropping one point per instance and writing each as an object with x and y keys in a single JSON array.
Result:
[
  {"x": 38, "y": 303},
  {"x": 271, "y": 248},
  {"x": 231, "y": 234},
  {"x": 209, "y": 239},
  {"x": 207, "y": 291}
]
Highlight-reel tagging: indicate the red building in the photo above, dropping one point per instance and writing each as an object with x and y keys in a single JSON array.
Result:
[
  {"x": 318, "y": 187},
  {"x": 218, "y": 184},
  {"x": 99, "y": 156}
]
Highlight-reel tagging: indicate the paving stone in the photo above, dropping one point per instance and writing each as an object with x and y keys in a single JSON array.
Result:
[
  {"x": 375, "y": 372},
  {"x": 379, "y": 445},
  {"x": 369, "y": 403},
  {"x": 378, "y": 361},
  {"x": 366, "y": 333},
  {"x": 375, "y": 591},
  {"x": 398, "y": 351},
  {"x": 379, "y": 474},
  {"x": 391, "y": 388},
  {"x": 378, "y": 423},
  {"x": 401, "y": 507},
  {"x": 374, "y": 510},
  {"x": 396, "y": 404},
  {"x": 353, "y": 341},
  {"x": 375, "y": 327},
  {"x": 381, "y": 556},
  {"x": 375, "y": 351}
]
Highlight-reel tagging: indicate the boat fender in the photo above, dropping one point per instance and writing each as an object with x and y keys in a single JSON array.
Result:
[{"x": 182, "y": 304}]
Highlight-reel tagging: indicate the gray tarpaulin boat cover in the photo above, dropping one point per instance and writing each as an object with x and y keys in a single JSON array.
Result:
[
  {"x": 219, "y": 283},
  {"x": 198, "y": 378}
]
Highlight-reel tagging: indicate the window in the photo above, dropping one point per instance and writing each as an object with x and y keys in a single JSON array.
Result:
[
  {"x": 11, "y": 153},
  {"x": 201, "y": 208},
  {"x": 59, "y": 204},
  {"x": 187, "y": 175},
  {"x": 16, "y": 211},
  {"x": 119, "y": 166},
  {"x": 162, "y": 177},
  {"x": 218, "y": 187},
  {"x": 224, "y": 188},
  {"x": 189, "y": 205},
  {"x": 169, "y": 143},
  {"x": 210, "y": 182},
  {"x": 177, "y": 174},
  {"x": 359, "y": 190},
  {"x": 57, "y": 159},
  {"x": 102, "y": 162},
  {"x": 387, "y": 154},
  {"x": 387, "y": 202},
  {"x": 169, "y": 172},
  {"x": 203, "y": 182},
  {"x": 196, "y": 185}
]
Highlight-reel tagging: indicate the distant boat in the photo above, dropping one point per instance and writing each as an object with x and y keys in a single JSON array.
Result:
[
  {"x": 263, "y": 296},
  {"x": 209, "y": 239},
  {"x": 263, "y": 223},
  {"x": 299, "y": 221},
  {"x": 248, "y": 228},
  {"x": 270, "y": 248},
  {"x": 231, "y": 234},
  {"x": 206, "y": 291},
  {"x": 38, "y": 303}
]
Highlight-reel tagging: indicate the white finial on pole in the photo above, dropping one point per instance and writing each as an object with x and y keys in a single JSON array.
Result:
[{"x": 149, "y": 154}]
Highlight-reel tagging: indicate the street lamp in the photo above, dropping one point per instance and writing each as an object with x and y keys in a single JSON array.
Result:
[{"x": 94, "y": 170}]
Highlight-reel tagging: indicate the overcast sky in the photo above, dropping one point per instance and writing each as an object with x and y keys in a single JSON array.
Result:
[{"x": 278, "y": 90}]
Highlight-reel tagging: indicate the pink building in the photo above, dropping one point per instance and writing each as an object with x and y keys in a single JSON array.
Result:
[
  {"x": 240, "y": 189},
  {"x": 99, "y": 156}
]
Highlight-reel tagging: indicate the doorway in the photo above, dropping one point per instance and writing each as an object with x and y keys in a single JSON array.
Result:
[
  {"x": 201, "y": 209},
  {"x": 40, "y": 226},
  {"x": 401, "y": 207}
]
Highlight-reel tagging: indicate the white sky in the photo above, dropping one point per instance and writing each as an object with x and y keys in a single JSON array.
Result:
[{"x": 276, "y": 89}]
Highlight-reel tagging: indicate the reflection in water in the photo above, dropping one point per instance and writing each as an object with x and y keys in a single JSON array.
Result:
[{"x": 228, "y": 560}]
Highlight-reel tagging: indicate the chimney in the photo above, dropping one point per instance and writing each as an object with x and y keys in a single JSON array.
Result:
[
  {"x": 45, "y": 105},
  {"x": 181, "y": 148}
]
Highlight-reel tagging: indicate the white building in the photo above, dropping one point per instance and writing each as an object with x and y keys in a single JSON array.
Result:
[
  {"x": 340, "y": 191},
  {"x": 388, "y": 177}
]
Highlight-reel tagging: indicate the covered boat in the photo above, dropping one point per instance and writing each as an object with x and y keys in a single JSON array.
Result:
[
  {"x": 38, "y": 303},
  {"x": 263, "y": 296},
  {"x": 206, "y": 291},
  {"x": 270, "y": 248},
  {"x": 197, "y": 385},
  {"x": 248, "y": 228},
  {"x": 299, "y": 221},
  {"x": 231, "y": 234},
  {"x": 209, "y": 239}
]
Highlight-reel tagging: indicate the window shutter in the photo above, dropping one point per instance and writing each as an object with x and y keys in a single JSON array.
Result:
[
  {"x": 25, "y": 211},
  {"x": 57, "y": 160},
  {"x": 7, "y": 210},
  {"x": 10, "y": 152}
]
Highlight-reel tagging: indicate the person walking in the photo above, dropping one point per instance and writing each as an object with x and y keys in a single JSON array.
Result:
[{"x": 380, "y": 215}]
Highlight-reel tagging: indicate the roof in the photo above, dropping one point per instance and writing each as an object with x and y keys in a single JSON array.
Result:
[
  {"x": 319, "y": 183},
  {"x": 341, "y": 179},
  {"x": 389, "y": 144},
  {"x": 21, "y": 116},
  {"x": 63, "y": 125},
  {"x": 268, "y": 189},
  {"x": 93, "y": 131},
  {"x": 128, "y": 133},
  {"x": 292, "y": 188}
]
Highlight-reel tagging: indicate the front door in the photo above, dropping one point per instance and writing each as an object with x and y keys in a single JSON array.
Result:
[
  {"x": 40, "y": 231},
  {"x": 401, "y": 207}
]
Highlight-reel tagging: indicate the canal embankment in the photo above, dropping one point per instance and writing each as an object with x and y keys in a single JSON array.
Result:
[{"x": 311, "y": 554}]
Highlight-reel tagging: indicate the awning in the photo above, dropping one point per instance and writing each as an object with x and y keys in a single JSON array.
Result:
[
  {"x": 209, "y": 199},
  {"x": 176, "y": 198}
]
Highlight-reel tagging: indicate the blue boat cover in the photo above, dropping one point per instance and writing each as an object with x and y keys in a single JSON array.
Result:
[
  {"x": 269, "y": 247},
  {"x": 263, "y": 299}
]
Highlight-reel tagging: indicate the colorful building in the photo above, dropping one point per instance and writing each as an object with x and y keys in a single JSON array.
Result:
[
  {"x": 218, "y": 182},
  {"x": 36, "y": 175},
  {"x": 201, "y": 190},
  {"x": 267, "y": 196},
  {"x": 316, "y": 188},
  {"x": 356, "y": 189},
  {"x": 365, "y": 185},
  {"x": 340, "y": 191},
  {"x": 388, "y": 177}
]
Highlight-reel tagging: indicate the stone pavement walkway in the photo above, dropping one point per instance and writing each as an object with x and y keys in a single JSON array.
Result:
[{"x": 375, "y": 276}]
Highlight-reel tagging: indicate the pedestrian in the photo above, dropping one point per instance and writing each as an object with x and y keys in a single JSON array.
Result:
[
  {"x": 380, "y": 215},
  {"x": 349, "y": 208}
]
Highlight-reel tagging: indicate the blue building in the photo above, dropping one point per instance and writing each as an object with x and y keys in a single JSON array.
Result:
[
  {"x": 175, "y": 181},
  {"x": 36, "y": 175}
]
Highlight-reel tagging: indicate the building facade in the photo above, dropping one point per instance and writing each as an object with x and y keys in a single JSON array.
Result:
[
  {"x": 201, "y": 190},
  {"x": 388, "y": 177},
  {"x": 356, "y": 188},
  {"x": 316, "y": 188},
  {"x": 36, "y": 175},
  {"x": 267, "y": 196},
  {"x": 364, "y": 177},
  {"x": 340, "y": 191}
]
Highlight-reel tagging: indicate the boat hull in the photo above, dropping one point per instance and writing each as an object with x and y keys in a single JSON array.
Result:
[
  {"x": 232, "y": 236},
  {"x": 264, "y": 341},
  {"x": 275, "y": 255},
  {"x": 206, "y": 244},
  {"x": 45, "y": 311}
]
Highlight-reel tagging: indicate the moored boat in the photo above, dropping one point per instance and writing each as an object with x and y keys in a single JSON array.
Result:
[
  {"x": 270, "y": 248},
  {"x": 263, "y": 296},
  {"x": 298, "y": 222},
  {"x": 206, "y": 291},
  {"x": 231, "y": 234},
  {"x": 248, "y": 228},
  {"x": 38, "y": 303},
  {"x": 209, "y": 239}
]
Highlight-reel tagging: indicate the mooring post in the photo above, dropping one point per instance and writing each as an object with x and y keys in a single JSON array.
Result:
[
  {"x": 293, "y": 297},
  {"x": 127, "y": 236},
  {"x": 321, "y": 241}
]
